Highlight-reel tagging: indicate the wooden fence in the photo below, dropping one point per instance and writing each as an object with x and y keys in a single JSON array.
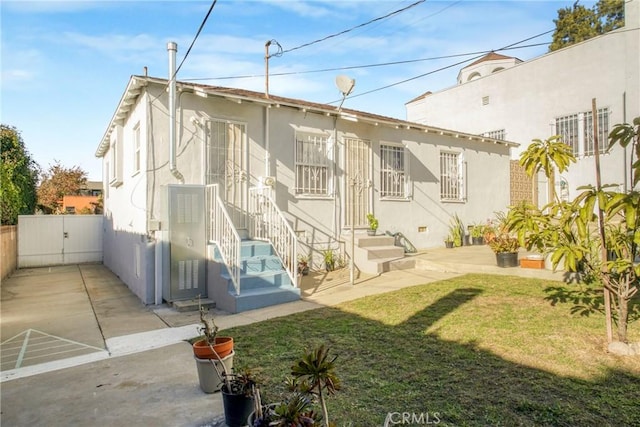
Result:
[{"x": 9, "y": 249}]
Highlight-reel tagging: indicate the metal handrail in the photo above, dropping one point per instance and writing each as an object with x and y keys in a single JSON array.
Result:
[
  {"x": 270, "y": 224},
  {"x": 222, "y": 232}
]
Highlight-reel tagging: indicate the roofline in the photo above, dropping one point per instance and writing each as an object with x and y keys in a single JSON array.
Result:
[{"x": 133, "y": 90}]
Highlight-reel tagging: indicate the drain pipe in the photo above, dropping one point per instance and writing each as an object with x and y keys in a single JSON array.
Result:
[{"x": 172, "y": 47}]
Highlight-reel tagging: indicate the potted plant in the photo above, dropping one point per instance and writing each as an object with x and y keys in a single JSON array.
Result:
[
  {"x": 448, "y": 241},
  {"x": 239, "y": 391},
  {"x": 303, "y": 265},
  {"x": 456, "y": 230},
  {"x": 211, "y": 346},
  {"x": 477, "y": 234},
  {"x": 329, "y": 258},
  {"x": 313, "y": 377},
  {"x": 505, "y": 247},
  {"x": 373, "y": 224}
]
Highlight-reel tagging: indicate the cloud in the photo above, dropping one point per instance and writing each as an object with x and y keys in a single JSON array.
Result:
[{"x": 302, "y": 8}]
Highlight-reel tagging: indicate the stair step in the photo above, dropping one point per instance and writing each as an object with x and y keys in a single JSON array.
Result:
[
  {"x": 382, "y": 252},
  {"x": 193, "y": 304},
  {"x": 369, "y": 241},
  {"x": 261, "y": 263},
  {"x": 251, "y": 248}
]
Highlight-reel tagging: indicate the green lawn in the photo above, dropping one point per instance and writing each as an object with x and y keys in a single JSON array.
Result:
[{"x": 474, "y": 350}]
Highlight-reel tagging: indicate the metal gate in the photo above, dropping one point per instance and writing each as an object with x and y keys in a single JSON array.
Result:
[
  {"x": 358, "y": 181},
  {"x": 226, "y": 156},
  {"x": 59, "y": 239}
]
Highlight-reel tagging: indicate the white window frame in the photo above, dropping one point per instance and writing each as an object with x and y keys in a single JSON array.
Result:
[
  {"x": 576, "y": 131},
  {"x": 136, "y": 149},
  {"x": 453, "y": 177},
  {"x": 394, "y": 178},
  {"x": 313, "y": 170},
  {"x": 116, "y": 157}
]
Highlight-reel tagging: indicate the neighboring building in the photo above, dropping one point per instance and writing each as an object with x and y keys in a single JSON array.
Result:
[
  {"x": 506, "y": 98},
  {"x": 168, "y": 230},
  {"x": 86, "y": 202}
]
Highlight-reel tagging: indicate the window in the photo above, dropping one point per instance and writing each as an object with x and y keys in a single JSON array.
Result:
[
  {"x": 567, "y": 128},
  {"x": 576, "y": 131},
  {"x": 452, "y": 177},
  {"x": 70, "y": 209},
  {"x": 495, "y": 134},
  {"x": 393, "y": 172},
  {"x": 312, "y": 164},
  {"x": 603, "y": 131},
  {"x": 136, "y": 148},
  {"x": 116, "y": 157}
]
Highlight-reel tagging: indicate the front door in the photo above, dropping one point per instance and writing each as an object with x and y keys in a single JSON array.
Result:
[
  {"x": 357, "y": 182},
  {"x": 227, "y": 166}
]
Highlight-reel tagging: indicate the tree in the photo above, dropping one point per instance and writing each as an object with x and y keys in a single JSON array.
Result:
[
  {"x": 546, "y": 156},
  {"x": 598, "y": 232},
  {"x": 579, "y": 23},
  {"x": 57, "y": 182},
  {"x": 18, "y": 176}
]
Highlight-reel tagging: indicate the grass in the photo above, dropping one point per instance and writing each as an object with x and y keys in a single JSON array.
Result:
[{"x": 474, "y": 350}]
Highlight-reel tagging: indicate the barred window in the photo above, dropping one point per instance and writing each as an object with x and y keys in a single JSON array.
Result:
[
  {"x": 567, "y": 128},
  {"x": 452, "y": 177},
  {"x": 495, "y": 134},
  {"x": 393, "y": 171},
  {"x": 312, "y": 164},
  {"x": 603, "y": 131},
  {"x": 136, "y": 148}
]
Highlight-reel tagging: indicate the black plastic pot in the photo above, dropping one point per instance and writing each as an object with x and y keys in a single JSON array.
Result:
[
  {"x": 237, "y": 408},
  {"x": 507, "y": 259},
  {"x": 478, "y": 240}
]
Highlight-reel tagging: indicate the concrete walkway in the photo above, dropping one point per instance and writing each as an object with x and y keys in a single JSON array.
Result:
[{"x": 79, "y": 348}]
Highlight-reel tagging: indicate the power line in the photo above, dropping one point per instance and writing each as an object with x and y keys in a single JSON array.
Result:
[
  {"x": 204, "y": 21},
  {"x": 356, "y": 27},
  {"x": 355, "y": 67},
  {"x": 439, "y": 69}
]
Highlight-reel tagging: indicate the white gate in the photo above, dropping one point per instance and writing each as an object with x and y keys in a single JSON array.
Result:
[{"x": 59, "y": 239}]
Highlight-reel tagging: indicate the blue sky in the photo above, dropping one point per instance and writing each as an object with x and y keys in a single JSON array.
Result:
[{"x": 65, "y": 64}]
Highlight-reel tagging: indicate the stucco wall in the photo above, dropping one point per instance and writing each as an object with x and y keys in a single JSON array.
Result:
[
  {"x": 9, "y": 241},
  {"x": 525, "y": 99}
]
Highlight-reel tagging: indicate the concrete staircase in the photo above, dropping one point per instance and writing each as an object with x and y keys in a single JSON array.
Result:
[
  {"x": 378, "y": 254},
  {"x": 263, "y": 280}
]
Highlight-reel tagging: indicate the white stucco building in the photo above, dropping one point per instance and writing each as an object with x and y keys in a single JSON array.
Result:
[
  {"x": 192, "y": 173},
  {"x": 549, "y": 95}
]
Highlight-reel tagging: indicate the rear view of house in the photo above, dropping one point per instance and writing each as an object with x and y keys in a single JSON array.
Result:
[{"x": 216, "y": 192}]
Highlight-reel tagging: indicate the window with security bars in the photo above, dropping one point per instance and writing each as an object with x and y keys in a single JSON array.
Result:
[
  {"x": 452, "y": 177},
  {"x": 567, "y": 128},
  {"x": 312, "y": 164},
  {"x": 393, "y": 172},
  {"x": 495, "y": 134},
  {"x": 603, "y": 131}
]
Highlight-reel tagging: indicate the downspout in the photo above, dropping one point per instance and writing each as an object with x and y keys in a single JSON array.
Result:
[
  {"x": 172, "y": 47},
  {"x": 267, "y": 146},
  {"x": 624, "y": 151}
]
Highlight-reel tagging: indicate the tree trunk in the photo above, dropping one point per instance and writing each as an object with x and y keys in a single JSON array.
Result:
[{"x": 623, "y": 317}]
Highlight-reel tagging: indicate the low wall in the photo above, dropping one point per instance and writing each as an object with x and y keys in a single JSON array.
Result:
[{"x": 9, "y": 249}]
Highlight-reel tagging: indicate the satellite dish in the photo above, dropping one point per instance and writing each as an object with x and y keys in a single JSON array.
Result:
[{"x": 345, "y": 84}]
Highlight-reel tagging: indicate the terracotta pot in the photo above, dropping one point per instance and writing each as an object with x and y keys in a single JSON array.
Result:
[{"x": 223, "y": 347}]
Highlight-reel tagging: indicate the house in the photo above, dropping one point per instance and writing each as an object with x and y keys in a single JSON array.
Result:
[
  {"x": 85, "y": 202},
  {"x": 503, "y": 97},
  {"x": 211, "y": 191}
]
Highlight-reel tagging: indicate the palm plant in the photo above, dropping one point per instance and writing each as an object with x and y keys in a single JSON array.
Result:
[
  {"x": 546, "y": 156},
  {"x": 317, "y": 368}
]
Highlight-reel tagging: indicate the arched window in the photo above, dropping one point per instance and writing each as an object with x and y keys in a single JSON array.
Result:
[
  {"x": 495, "y": 70},
  {"x": 473, "y": 75}
]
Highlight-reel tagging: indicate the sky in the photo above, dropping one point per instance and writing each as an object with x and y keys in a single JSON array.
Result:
[{"x": 65, "y": 64}]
